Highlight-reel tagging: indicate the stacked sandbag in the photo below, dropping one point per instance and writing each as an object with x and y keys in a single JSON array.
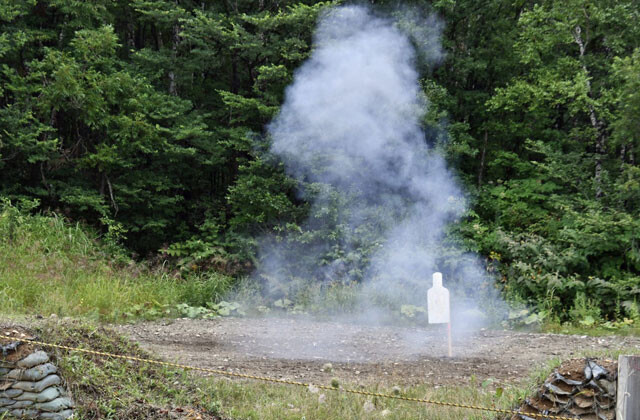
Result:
[
  {"x": 30, "y": 385},
  {"x": 579, "y": 388}
]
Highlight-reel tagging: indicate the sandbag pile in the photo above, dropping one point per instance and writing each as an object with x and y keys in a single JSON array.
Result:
[
  {"x": 30, "y": 386},
  {"x": 579, "y": 388}
]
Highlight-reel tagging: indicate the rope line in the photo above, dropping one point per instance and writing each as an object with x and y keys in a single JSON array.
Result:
[{"x": 288, "y": 382}]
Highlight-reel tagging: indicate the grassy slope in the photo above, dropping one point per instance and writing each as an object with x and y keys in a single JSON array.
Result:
[{"x": 49, "y": 266}]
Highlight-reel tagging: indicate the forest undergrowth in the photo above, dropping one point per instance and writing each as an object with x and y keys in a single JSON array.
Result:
[{"x": 51, "y": 266}]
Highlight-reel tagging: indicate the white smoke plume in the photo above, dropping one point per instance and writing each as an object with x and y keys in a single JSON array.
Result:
[{"x": 351, "y": 130}]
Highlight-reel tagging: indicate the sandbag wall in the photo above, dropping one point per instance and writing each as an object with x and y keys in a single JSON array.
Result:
[
  {"x": 30, "y": 384},
  {"x": 579, "y": 388}
]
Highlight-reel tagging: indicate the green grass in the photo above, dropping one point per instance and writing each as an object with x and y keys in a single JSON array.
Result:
[
  {"x": 597, "y": 330},
  {"x": 48, "y": 266},
  {"x": 269, "y": 402}
]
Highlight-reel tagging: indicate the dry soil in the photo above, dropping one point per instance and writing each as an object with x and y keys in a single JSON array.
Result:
[{"x": 300, "y": 349}]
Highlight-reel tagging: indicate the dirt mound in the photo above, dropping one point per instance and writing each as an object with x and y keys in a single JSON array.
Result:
[{"x": 580, "y": 388}]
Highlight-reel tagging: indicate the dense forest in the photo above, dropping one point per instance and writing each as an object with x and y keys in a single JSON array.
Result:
[{"x": 145, "y": 119}]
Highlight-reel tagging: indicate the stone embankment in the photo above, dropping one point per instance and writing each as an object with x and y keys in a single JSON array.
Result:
[{"x": 30, "y": 384}]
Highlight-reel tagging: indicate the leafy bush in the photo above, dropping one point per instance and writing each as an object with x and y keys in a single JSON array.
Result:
[{"x": 591, "y": 252}]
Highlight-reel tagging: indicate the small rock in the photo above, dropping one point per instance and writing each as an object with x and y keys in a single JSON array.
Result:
[
  {"x": 322, "y": 398},
  {"x": 385, "y": 412},
  {"x": 39, "y": 386},
  {"x": 327, "y": 367},
  {"x": 313, "y": 389},
  {"x": 368, "y": 406},
  {"x": 33, "y": 359}
]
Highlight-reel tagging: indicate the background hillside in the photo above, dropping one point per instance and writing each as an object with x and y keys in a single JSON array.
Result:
[{"x": 145, "y": 121}]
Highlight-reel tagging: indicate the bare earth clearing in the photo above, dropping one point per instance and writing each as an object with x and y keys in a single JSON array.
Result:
[{"x": 297, "y": 349}]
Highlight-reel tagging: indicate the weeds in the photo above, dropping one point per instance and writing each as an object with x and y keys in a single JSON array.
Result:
[{"x": 48, "y": 266}]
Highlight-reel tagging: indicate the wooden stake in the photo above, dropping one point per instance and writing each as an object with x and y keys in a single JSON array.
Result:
[
  {"x": 449, "y": 338},
  {"x": 628, "y": 404}
]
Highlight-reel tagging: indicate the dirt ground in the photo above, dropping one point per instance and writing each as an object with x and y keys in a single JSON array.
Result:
[{"x": 299, "y": 349}]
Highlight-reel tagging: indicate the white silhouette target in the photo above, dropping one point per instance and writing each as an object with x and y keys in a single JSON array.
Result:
[{"x": 438, "y": 302}]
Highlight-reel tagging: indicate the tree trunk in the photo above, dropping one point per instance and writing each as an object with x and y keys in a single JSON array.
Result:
[
  {"x": 159, "y": 43},
  {"x": 113, "y": 200},
  {"x": 598, "y": 173},
  {"x": 235, "y": 83},
  {"x": 131, "y": 36},
  {"x": 173, "y": 89},
  {"x": 482, "y": 158},
  {"x": 595, "y": 123}
]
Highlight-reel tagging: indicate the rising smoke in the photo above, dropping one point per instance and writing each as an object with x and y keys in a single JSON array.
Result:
[{"x": 350, "y": 130}]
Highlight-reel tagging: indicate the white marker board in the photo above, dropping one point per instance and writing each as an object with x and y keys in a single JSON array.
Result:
[{"x": 438, "y": 302}]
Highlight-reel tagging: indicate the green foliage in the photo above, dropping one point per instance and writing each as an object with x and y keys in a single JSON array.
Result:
[
  {"x": 200, "y": 290},
  {"x": 550, "y": 214},
  {"x": 120, "y": 112},
  {"x": 411, "y": 311},
  {"x": 146, "y": 121},
  {"x": 188, "y": 311},
  {"x": 228, "y": 308}
]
